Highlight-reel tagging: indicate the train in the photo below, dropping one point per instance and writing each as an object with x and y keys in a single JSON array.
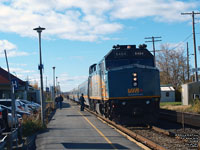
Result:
[{"x": 124, "y": 86}]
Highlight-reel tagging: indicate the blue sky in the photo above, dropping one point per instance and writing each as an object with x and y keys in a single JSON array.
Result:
[{"x": 80, "y": 32}]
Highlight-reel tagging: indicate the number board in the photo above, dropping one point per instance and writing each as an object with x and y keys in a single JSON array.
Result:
[{"x": 120, "y": 54}]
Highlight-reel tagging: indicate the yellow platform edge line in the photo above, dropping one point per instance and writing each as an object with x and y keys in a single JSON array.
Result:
[{"x": 98, "y": 131}]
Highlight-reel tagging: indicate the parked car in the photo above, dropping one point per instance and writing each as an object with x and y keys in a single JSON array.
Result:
[
  {"x": 24, "y": 106},
  {"x": 3, "y": 119},
  {"x": 31, "y": 105},
  {"x": 16, "y": 120},
  {"x": 20, "y": 107}
]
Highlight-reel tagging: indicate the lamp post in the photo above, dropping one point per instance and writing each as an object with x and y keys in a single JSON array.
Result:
[
  {"x": 40, "y": 67},
  {"x": 53, "y": 93},
  {"x": 56, "y": 85}
]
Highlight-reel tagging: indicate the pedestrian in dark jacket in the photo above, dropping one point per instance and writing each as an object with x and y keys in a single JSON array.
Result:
[
  {"x": 60, "y": 101},
  {"x": 82, "y": 100},
  {"x": 57, "y": 101}
]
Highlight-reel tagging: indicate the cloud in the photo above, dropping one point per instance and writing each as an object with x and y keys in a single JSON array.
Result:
[
  {"x": 4, "y": 44},
  {"x": 68, "y": 82},
  {"x": 160, "y": 10},
  {"x": 11, "y": 49},
  {"x": 74, "y": 20},
  {"x": 84, "y": 20}
]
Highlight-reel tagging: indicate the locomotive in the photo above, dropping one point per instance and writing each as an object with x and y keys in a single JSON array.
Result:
[{"x": 124, "y": 86}]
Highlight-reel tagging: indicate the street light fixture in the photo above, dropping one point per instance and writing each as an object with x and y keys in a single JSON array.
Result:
[{"x": 40, "y": 67}]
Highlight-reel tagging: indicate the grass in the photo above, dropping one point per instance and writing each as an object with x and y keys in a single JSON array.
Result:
[
  {"x": 195, "y": 107},
  {"x": 177, "y": 106},
  {"x": 170, "y": 103}
]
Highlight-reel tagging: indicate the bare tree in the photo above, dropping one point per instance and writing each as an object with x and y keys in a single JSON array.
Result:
[{"x": 172, "y": 66}]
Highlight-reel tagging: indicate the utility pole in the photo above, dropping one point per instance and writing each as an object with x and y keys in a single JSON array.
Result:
[
  {"x": 154, "y": 50},
  {"x": 188, "y": 66},
  {"x": 194, "y": 41},
  {"x": 12, "y": 103},
  {"x": 40, "y": 67}
]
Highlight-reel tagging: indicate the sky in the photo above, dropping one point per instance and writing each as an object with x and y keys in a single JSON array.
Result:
[{"x": 80, "y": 33}]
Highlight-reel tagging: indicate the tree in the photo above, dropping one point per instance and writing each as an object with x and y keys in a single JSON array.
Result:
[
  {"x": 172, "y": 66},
  {"x": 35, "y": 85}
]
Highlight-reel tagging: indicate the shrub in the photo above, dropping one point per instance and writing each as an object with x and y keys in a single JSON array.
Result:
[
  {"x": 196, "y": 106},
  {"x": 31, "y": 125}
]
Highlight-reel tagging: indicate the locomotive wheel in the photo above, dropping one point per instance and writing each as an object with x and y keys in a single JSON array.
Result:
[{"x": 108, "y": 111}]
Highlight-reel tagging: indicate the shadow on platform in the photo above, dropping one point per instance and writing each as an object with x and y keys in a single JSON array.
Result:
[
  {"x": 92, "y": 146},
  {"x": 64, "y": 105},
  {"x": 78, "y": 115}
]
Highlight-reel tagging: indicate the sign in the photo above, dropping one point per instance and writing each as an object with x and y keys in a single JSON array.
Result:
[
  {"x": 14, "y": 83},
  {"x": 47, "y": 89}
]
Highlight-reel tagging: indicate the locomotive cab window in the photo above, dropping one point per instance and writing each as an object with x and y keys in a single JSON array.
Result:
[
  {"x": 123, "y": 62},
  {"x": 92, "y": 68}
]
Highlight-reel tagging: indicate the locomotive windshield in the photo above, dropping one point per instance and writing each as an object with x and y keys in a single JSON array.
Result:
[
  {"x": 123, "y": 57},
  {"x": 123, "y": 62}
]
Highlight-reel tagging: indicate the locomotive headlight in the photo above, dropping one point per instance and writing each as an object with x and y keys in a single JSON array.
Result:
[
  {"x": 123, "y": 103},
  {"x": 147, "y": 102},
  {"x": 135, "y": 79},
  {"x": 135, "y": 84},
  {"x": 134, "y": 74}
]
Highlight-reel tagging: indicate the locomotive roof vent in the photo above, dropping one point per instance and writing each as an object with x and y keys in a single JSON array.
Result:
[
  {"x": 117, "y": 47},
  {"x": 142, "y": 46}
]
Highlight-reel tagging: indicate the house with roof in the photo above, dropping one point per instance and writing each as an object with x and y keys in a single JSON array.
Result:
[
  {"x": 167, "y": 93},
  {"x": 22, "y": 89}
]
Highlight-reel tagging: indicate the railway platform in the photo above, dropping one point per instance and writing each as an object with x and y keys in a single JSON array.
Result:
[{"x": 72, "y": 129}]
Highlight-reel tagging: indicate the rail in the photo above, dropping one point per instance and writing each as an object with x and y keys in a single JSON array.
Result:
[
  {"x": 136, "y": 136},
  {"x": 180, "y": 117}
]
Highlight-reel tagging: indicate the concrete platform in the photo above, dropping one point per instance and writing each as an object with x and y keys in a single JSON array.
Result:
[{"x": 72, "y": 129}]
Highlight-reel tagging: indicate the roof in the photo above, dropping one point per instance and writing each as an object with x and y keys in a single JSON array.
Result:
[
  {"x": 167, "y": 88},
  {"x": 4, "y": 78}
]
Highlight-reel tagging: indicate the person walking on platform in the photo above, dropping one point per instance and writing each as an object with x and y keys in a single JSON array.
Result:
[
  {"x": 60, "y": 101},
  {"x": 82, "y": 100},
  {"x": 57, "y": 100}
]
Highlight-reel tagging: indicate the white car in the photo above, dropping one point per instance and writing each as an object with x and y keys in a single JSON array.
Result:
[
  {"x": 19, "y": 106},
  {"x": 30, "y": 104},
  {"x": 23, "y": 105}
]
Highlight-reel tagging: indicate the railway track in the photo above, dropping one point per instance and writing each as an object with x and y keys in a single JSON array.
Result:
[
  {"x": 180, "y": 117},
  {"x": 130, "y": 133},
  {"x": 163, "y": 136}
]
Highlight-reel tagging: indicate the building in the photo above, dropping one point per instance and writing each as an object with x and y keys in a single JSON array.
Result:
[
  {"x": 22, "y": 89},
  {"x": 167, "y": 93},
  {"x": 190, "y": 91}
]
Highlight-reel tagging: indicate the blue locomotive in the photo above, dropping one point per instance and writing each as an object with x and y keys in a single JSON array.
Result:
[{"x": 123, "y": 86}]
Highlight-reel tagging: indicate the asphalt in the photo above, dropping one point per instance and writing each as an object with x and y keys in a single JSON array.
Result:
[{"x": 73, "y": 129}]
